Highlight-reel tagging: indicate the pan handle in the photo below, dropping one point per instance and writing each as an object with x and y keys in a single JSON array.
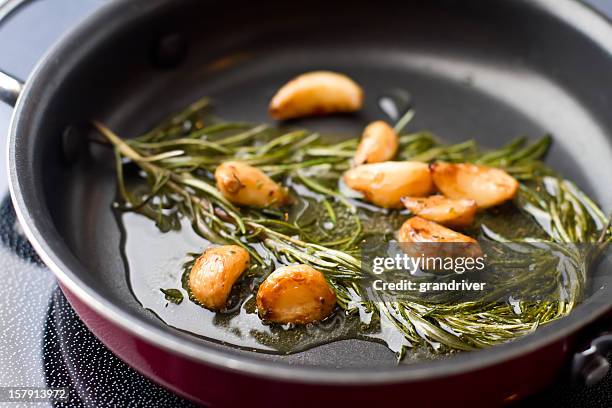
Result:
[
  {"x": 591, "y": 365},
  {"x": 10, "y": 88}
]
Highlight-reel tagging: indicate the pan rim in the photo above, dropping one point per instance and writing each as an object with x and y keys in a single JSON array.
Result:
[{"x": 573, "y": 12}]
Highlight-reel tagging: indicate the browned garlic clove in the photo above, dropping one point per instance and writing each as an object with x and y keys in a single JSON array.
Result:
[
  {"x": 215, "y": 272},
  {"x": 296, "y": 294},
  {"x": 316, "y": 93},
  {"x": 246, "y": 185},
  {"x": 487, "y": 186},
  {"x": 417, "y": 229},
  {"x": 452, "y": 212},
  {"x": 378, "y": 144},
  {"x": 384, "y": 184}
]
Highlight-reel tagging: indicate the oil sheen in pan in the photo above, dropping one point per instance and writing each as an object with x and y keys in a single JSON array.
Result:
[
  {"x": 156, "y": 260},
  {"x": 162, "y": 266}
]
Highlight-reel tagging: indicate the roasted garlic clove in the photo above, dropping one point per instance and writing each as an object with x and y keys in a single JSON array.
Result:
[
  {"x": 417, "y": 229},
  {"x": 487, "y": 186},
  {"x": 295, "y": 294},
  {"x": 214, "y": 273},
  {"x": 316, "y": 93},
  {"x": 378, "y": 144},
  {"x": 246, "y": 185},
  {"x": 419, "y": 237},
  {"x": 452, "y": 212},
  {"x": 384, "y": 184}
]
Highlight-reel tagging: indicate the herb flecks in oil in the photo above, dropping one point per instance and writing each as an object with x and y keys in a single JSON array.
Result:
[
  {"x": 172, "y": 295},
  {"x": 177, "y": 160}
]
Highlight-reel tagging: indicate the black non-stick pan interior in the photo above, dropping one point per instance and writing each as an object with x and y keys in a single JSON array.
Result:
[{"x": 488, "y": 70}]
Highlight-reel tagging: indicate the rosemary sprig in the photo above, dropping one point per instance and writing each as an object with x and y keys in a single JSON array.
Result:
[{"x": 179, "y": 156}]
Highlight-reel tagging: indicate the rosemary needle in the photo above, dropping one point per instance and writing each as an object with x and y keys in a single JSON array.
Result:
[{"x": 177, "y": 159}]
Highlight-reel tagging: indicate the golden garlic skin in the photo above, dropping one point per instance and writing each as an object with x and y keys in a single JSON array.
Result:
[
  {"x": 316, "y": 93},
  {"x": 384, "y": 184},
  {"x": 379, "y": 143},
  {"x": 451, "y": 212},
  {"x": 424, "y": 238},
  {"x": 246, "y": 185},
  {"x": 487, "y": 186},
  {"x": 296, "y": 294},
  {"x": 215, "y": 272},
  {"x": 417, "y": 229}
]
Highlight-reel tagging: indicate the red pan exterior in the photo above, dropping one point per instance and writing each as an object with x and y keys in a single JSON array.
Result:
[{"x": 493, "y": 386}]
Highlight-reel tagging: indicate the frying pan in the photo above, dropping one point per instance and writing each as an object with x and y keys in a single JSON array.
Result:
[{"x": 482, "y": 69}]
